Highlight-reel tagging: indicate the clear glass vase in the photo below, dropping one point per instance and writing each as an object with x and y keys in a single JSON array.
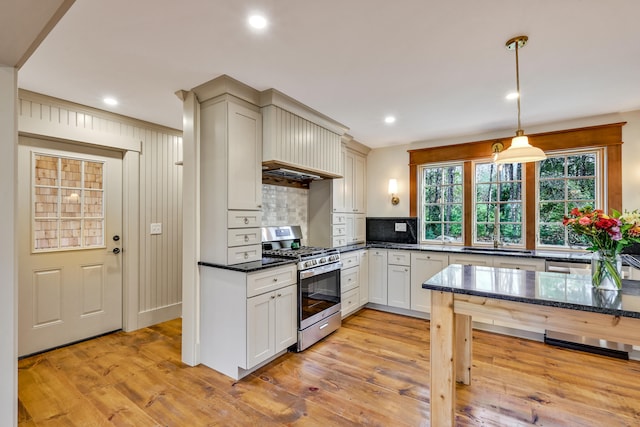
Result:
[{"x": 606, "y": 271}]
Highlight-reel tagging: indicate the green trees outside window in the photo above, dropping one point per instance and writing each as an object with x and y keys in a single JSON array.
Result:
[
  {"x": 442, "y": 203},
  {"x": 498, "y": 202},
  {"x": 565, "y": 181}
]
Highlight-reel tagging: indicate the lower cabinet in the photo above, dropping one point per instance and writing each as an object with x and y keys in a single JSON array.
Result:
[
  {"x": 378, "y": 276},
  {"x": 271, "y": 324},
  {"x": 364, "y": 278},
  {"x": 351, "y": 281},
  {"x": 423, "y": 266},
  {"x": 246, "y": 319},
  {"x": 399, "y": 286}
]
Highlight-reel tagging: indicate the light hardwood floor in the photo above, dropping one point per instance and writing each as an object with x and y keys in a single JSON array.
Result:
[{"x": 374, "y": 371}]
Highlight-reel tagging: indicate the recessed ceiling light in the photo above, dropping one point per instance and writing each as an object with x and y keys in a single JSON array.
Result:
[
  {"x": 389, "y": 119},
  {"x": 512, "y": 95},
  {"x": 110, "y": 101},
  {"x": 258, "y": 21}
]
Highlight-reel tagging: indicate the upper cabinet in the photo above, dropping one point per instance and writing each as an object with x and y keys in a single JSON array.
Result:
[
  {"x": 354, "y": 186},
  {"x": 244, "y": 158},
  {"x": 340, "y": 204}
]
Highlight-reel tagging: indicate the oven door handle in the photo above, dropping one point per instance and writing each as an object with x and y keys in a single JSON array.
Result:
[{"x": 305, "y": 274}]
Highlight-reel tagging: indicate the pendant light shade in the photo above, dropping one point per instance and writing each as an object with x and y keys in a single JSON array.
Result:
[{"x": 520, "y": 150}]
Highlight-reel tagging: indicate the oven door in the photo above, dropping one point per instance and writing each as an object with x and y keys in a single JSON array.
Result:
[{"x": 318, "y": 293}]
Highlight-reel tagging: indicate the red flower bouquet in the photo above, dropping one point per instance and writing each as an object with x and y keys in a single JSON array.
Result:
[{"x": 607, "y": 236}]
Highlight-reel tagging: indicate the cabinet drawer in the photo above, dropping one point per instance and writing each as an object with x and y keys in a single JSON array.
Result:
[
  {"x": 243, "y": 236},
  {"x": 241, "y": 254},
  {"x": 339, "y": 241},
  {"x": 338, "y": 218},
  {"x": 348, "y": 279},
  {"x": 399, "y": 258},
  {"x": 350, "y": 301},
  {"x": 271, "y": 279},
  {"x": 339, "y": 230},
  {"x": 349, "y": 260},
  {"x": 244, "y": 219}
]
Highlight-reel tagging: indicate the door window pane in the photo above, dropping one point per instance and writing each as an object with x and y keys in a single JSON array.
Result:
[{"x": 68, "y": 203}]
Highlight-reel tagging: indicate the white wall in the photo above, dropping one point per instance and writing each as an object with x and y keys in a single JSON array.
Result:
[
  {"x": 8, "y": 251},
  {"x": 392, "y": 162},
  {"x": 383, "y": 164}
]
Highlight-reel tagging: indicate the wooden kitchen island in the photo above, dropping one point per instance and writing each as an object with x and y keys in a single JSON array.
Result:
[{"x": 551, "y": 301}]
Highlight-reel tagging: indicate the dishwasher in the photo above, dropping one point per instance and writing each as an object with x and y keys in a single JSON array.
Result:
[{"x": 575, "y": 342}]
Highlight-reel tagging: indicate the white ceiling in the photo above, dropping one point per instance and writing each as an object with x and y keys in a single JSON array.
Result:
[{"x": 439, "y": 66}]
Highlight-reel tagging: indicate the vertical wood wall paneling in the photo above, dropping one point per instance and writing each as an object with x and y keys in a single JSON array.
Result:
[{"x": 159, "y": 280}]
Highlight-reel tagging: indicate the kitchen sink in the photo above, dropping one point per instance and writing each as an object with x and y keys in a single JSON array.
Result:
[{"x": 497, "y": 250}]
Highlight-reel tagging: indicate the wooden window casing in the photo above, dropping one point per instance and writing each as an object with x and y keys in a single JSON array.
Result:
[{"x": 608, "y": 137}]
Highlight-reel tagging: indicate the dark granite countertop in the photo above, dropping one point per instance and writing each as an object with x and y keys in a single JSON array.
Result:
[
  {"x": 571, "y": 291},
  {"x": 576, "y": 257},
  {"x": 248, "y": 267}
]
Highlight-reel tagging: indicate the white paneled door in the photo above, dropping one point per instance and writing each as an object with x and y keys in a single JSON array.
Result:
[{"x": 70, "y": 243}]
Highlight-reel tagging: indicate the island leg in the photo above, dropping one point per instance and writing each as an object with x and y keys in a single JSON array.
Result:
[
  {"x": 463, "y": 352},
  {"x": 443, "y": 381}
]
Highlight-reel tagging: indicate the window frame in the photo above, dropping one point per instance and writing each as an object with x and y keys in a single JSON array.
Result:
[
  {"x": 600, "y": 192},
  {"x": 422, "y": 204},
  {"x": 523, "y": 219},
  {"x": 59, "y": 218}
]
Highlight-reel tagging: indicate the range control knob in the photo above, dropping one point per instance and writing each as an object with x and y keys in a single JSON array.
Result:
[
  {"x": 323, "y": 260},
  {"x": 308, "y": 263}
]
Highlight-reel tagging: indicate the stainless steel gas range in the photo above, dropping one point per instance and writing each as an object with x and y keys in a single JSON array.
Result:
[{"x": 318, "y": 282}]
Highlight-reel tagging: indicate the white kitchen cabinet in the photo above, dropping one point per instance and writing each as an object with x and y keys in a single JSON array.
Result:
[
  {"x": 471, "y": 259},
  {"x": 355, "y": 172},
  {"x": 364, "y": 277},
  {"x": 378, "y": 276},
  {"x": 271, "y": 324},
  {"x": 399, "y": 286},
  {"x": 350, "y": 283},
  {"x": 424, "y": 265},
  {"x": 231, "y": 177},
  {"x": 246, "y": 318},
  {"x": 517, "y": 263},
  {"x": 338, "y": 185},
  {"x": 337, "y": 207},
  {"x": 244, "y": 151}
]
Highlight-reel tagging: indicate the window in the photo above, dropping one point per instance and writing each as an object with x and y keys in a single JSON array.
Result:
[
  {"x": 68, "y": 203},
  {"x": 498, "y": 203},
  {"x": 442, "y": 209},
  {"x": 566, "y": 181}
]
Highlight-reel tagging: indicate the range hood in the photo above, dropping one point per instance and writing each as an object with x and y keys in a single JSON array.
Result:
[{"x": 290, "y": 175}]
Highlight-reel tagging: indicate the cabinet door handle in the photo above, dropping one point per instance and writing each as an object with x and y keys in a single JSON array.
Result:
[
  {"x": 246, "y": 238},
  {"x": 246, "y": 220},
  {"x": 273, "y": 297},
  {"x": 279, "y": 295},
  {"x": 246, "y": 255},
  {"x": 275, "y": 279}
]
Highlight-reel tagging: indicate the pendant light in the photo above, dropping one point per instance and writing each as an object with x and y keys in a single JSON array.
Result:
[{"x": 520, "y": 150}]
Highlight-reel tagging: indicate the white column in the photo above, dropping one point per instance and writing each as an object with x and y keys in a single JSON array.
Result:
[
  {"x": 8, "y": 249},
  {"x": 191, "y": 231}
]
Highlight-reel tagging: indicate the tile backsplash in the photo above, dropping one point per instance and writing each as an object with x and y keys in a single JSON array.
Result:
[
  {"x": 392, "y": 230},
  {"x": 285, "y": 206}
]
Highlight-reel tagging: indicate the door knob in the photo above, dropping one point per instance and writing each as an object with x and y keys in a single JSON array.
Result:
[
  {"x": 116, "y": 251},
  {"x": 116, "y": 238}
]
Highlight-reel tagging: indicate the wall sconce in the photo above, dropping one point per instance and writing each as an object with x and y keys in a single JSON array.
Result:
[{"x": 393, "y": 190}]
